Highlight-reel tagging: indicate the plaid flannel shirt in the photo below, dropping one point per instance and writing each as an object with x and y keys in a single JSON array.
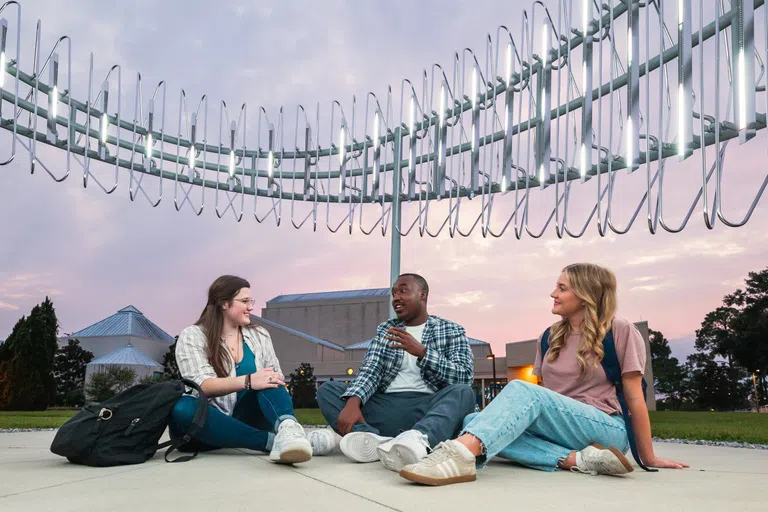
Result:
[{"x": 448, "y": 359}]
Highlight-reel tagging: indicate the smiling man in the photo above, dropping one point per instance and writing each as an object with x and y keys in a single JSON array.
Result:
[{"x": 413, "y": 389}]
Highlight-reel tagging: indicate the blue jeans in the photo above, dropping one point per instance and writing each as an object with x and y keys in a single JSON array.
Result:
[
  {"x": 437, "y": 415},
  {"x": 254, "y": 421},
  {"x": 536, "y": 427}
]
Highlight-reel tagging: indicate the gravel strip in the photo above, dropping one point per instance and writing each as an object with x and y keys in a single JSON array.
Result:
[
  {"x": 728, "y": 444},
  {"x": 17, "y": 430}
]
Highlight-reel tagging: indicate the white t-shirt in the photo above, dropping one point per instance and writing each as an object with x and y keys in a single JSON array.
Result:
[{"x": 409, "y": 377}]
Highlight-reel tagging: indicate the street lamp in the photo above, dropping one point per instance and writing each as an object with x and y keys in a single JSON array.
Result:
[{"x": 492, "y": 358}]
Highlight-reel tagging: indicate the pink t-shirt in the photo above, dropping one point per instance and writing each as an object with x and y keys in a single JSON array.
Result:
[{"x": 593, "y": 388}]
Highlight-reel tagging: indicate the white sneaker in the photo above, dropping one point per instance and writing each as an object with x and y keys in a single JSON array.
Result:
[
  {"x": 449, "y": 463},
  {"x": 291, "y": 445},
  {"x": 361, "y": 446},
  {"x": 323, "y": 441},
  {"x": 596, "y": 460},
  {"x": 408, "y": 448}
]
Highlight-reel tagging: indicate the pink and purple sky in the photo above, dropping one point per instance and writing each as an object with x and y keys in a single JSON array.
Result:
[{"x": 94, "y": 254}]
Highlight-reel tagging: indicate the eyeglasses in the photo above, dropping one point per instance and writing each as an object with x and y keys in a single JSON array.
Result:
[{"x": 247, "y": 302}]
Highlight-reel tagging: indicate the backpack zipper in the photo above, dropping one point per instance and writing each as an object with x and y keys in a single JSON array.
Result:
[{"x": 134, "y": 422}]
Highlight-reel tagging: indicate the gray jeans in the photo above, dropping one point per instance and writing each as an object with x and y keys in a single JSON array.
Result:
[{"x": 438, "y": 415}]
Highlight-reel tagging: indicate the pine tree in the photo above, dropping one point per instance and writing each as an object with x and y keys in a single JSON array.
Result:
[
  {"x": 69, "y": 371},
  {"x": 26, "y": 365},
  {"x": 669, "y": 375},
  {"x": 302, "y": 387},
  {"x": 170, "y": 368}
]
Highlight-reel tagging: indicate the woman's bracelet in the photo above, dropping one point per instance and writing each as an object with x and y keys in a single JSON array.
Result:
[{"x": 248, "y": 382}]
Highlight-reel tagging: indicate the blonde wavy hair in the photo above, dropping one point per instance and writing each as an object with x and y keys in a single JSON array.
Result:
[{"x": 596, "y": 287}]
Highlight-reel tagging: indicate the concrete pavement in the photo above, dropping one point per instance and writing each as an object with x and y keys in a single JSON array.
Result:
[{"x": 32, "y": 478}]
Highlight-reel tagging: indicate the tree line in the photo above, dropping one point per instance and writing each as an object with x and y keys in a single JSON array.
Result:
[
  {"x": 728, "y": 370},
  {"x": 36, "y": 373}
]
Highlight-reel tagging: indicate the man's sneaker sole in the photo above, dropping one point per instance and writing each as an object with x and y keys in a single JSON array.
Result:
[
  {"x": 358, "y": 447},
  {"x": 622, "y": 458},
  {"x": 426, "y": 480},
  {"x": 397, "y": 457},
  {"x": 294, "y": 453}
]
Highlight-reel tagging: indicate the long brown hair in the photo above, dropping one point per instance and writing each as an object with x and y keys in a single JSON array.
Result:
[
  {"x": 596, "y": 286},
  {"x": 223, "y": 291}
]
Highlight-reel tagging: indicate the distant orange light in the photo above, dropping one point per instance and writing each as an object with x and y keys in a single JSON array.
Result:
[{"x": 526, "y": 374}]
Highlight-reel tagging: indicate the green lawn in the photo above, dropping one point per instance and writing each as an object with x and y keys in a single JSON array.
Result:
[
  {"x": 711, "y": 426},
  {"x": 56, "y": 417},
  {"x": 51, "y": 418},
  {"x": 310, "y": 417}
]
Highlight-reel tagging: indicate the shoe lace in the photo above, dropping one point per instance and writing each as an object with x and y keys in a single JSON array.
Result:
[
  {"x": 593, "y": 466},
  {"x": 292, "y": 432},
  {"x": 577, "y": 469},
  {"x": 441, "y": 452},
  {"x": 319, "y": 439}
]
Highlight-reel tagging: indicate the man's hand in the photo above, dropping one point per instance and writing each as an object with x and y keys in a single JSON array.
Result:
[
  {"x": 402, "y": 340},
  {"x": 350, "y": 415}
]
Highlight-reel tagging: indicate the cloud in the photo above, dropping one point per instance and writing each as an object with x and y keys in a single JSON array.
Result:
[
  {"x": 648, "y": 288},
  {"x": 466, "y": 298},
  {"x": 12, "y": 307},
  {"x": 702, "y": 248},
  {"x": 733, "y": 284}
]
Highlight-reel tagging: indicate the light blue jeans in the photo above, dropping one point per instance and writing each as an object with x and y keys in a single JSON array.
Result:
[{"x": 536, "y": 427}]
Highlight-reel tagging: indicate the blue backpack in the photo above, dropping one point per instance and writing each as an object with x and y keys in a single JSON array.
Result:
[{"x": 612, "y": 370}]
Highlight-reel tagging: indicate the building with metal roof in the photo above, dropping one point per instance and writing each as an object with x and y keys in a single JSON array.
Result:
[
  {"x": 341, "y": 317},
  {"x": 127, "y": 326},
  {"x": 312, "y": 339},
  {"x": 344, "y": 295},
  {"x": 127, "y": 356},
  {"x": 129, "y": 321}
]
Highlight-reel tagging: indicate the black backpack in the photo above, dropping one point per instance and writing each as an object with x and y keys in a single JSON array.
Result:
[{"x": 126, "y": 428}]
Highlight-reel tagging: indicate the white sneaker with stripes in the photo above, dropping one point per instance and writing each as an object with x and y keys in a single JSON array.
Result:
[{"x": 449, "y": 463}]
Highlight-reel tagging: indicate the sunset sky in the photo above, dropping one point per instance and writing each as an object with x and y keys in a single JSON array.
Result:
[{"x": 94, "y": 254}]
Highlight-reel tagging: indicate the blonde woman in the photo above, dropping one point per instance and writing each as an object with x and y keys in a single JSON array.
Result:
[{"x": 573, "y": 420}]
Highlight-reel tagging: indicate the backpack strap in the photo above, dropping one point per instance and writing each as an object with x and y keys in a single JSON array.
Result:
[
  {"x": 544, "y": 344},
  {"x": 198, "y": 422},
  {"x": 612, "y": 370}
]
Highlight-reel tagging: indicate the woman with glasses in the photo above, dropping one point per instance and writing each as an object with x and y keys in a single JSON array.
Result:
[{"x": 235, "y": 365}]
